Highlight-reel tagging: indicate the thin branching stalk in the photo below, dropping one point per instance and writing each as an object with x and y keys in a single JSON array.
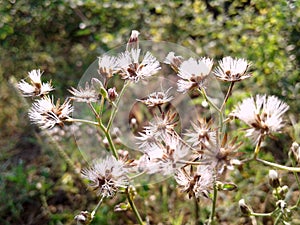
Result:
[
  {"x": 137, "y": 175},
  {"x": 190, "y": 162},
  {"x": 261, "y": 214},
  {"x": 278, "y": 218},
  {"x": 105, "y": 131},
  {"x": 257, "y": 147},
  {"x": 133, "y": 207},
  {"x": 203, "y": 92},
  {"x": 97, "y": 206},
  {"x": 115, "y": 109},
  {"x": 278, "y": 166},
  {"x": 298, "y": 183},
  {"x": 101, "y": 105},
  {"x": 213, "y": 207},
  {"x": 227, "y": 95},
  {"x": 109, "y": 139},
  {"x": 94, "y": 110},
  {"x": 246, "y": 160},
  {"x": 164, "y": 198},
  {"x": 197, "y": 211},
  {"x": 102, "y": 127},
  {"x": 73, "y": 120}
]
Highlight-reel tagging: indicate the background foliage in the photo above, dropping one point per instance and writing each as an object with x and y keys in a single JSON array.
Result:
[{"x": 63, "y": 38}]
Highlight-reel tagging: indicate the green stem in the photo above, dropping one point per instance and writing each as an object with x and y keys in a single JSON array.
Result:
[
  {"x": 261, "y": 214},
  {"x": 105, "y": 131},
  {"x": 109, "y": 139},
  {"x": 203, "y": 92},
  {"x": 115, "y": 109},
  {"x": 213, "y": 208},
  {"x": 72, "y": 120},
  {"x": 298, "y": 183},
  {"x": 190, "y": 162},
  {"x": 278, "y": 218},
  {"x": 246, "y": 160},
  {"x": 265, "y": 214},
  {"x": 94, "y": 110},
  {"x": 257, "y": 147},
  {"x": 101, "y": 105},
  {"x": 278, "y": 166},
  {"x": 197, "y": 211},
  {"x": 97, "y": 206},
  {"x": 133, "y": 207},
  {"x": 227, "y": 95},
  {"x": 137, "y": 175}
]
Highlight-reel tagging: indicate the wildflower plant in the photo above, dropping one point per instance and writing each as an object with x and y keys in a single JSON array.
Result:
[{"x": 149, "y": 131}]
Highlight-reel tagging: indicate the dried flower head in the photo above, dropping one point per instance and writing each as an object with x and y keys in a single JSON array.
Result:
[
  {"x": 106, "y": 176},
  {"x": 86, "y": 94},
  {"x": 175, "y": 150},
  {"x": 46, "y": 114},
  {"x": 264, "y": 115},
  {"x": 146, "y": 138},
  {"x": 232, "y": 70},
  {"x": 146, "y": 165},
  {"x": 130, "y": 67},
  {"x": 193, "y": 73},
  {"x": 174, "y": 61},
  {"x": 164, "y": 157},
  {"x": 157, "y": 98},
  {"x": 222, "y": 156},
  {"x": 162, "y": 126},
  {"x": 196, "y": 184},
  {"x": 35, "y": 87},
  {"x": 128, "y": 162},
  {"x": 107, "y": 66},
  {"x": 202, "y": 134}
]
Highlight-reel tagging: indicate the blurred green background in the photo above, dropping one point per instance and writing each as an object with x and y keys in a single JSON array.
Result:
[{"x": 63, "y": 37}]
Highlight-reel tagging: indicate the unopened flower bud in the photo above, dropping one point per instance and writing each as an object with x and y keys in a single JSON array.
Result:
[
  {"x": 174, "y": 61},
  {"x": 273, "y": 179},
  {"x": 83, "y": 218},
  {"x": 281, "y": 191},
  {"x": 285, "y": 189},
  {"x": 133, "y": 42},
  {"x": 245, "y": 209},
  {"x": 97, "y": 84},
  {"x": 226, "y": 186},
  {"x": 295, "y": 151},
  {"x": 112, "y": 94},
  {"x": 281, "y": 204},
  {"x": 121, "y": 207},
  {"x": 106, "y": 143},
  {"x": 133, "y": 123}
]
